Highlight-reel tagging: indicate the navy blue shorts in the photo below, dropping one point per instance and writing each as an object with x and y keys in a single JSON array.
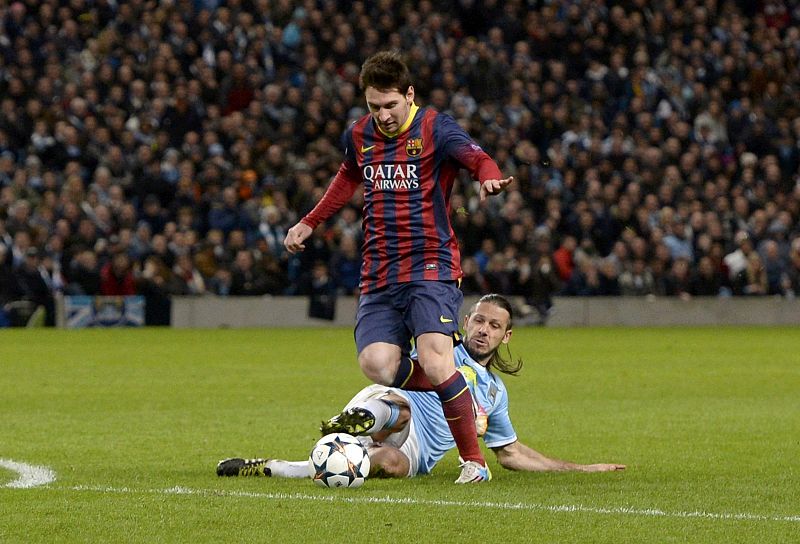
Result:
[{"x": 402, "y": 311}]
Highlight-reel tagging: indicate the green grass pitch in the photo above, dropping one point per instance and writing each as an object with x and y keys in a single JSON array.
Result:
[{"x": 132, "y": 422}]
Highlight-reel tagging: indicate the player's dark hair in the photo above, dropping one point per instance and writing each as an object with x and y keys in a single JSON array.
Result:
[
  {"x": 385, "y": 71},
  {"x": 506, "y": 366}
]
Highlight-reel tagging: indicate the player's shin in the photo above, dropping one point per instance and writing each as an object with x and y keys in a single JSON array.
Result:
[
  {"x": 385, "y": 413},
  {"x": 458, "y": 411},
  {"x": 289, "y": 469}
]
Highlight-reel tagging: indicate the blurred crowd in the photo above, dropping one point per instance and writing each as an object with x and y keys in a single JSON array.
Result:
[{"x": 163, "y": 148}]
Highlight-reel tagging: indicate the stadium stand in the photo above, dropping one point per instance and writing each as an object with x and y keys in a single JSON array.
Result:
[{"x": 656, "y": 145}]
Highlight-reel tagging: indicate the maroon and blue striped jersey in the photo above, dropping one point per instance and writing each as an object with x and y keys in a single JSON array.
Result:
[{"x": 407, "y": 180}]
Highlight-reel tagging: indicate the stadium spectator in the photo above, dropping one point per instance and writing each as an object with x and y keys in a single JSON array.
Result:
[
  {"x": 608, "y": 278},
  {"x": 220, "y": 282},
  {"x": 585, "y": 280},
  {"x": 736, "y": 261},
  {"x": 563, "y": 257},
  {"x": 116, "y": 277},
  {"x": 637, "y": 279},
  {"x": 192, "y": 282},
  {"x": 153, "y": 214},
  {"x": 346, "y": 264},
  {"x": 472, "y": 282},
  {"x": 792, "y": 282},
  {"x": 538, "y": 282},
  {"x": 498, "y": 274},
  {"x": 271, "y": 228},
  {"x": 84, "y": 274},
  {"x": 706, "y": 281},
  {"x": 157, "y": 283},
  {"x": 774, "y": 267},
  {"x": 680, "y": 247},
  {"x": 8, "y": 288},
  {"x": 30, "y": 280},
  {"x": 247, "y": 279},
  {"x": 226, "y": 214},
  {"x": 321, "y": 293},
  {"x": 752, "y": 280},
  {"x": 677, "y": 282}
]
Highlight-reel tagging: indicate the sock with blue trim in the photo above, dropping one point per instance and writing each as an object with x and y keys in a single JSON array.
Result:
[{"x": 385, "y": 412}]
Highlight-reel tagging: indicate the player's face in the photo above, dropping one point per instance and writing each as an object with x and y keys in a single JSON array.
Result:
[
  {"x": 486, "y": 328},
  {"x": 390, "y": 109}
]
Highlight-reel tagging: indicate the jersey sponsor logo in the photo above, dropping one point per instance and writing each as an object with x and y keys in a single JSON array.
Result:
[
  {"x": 413, "y": 147},
  {"x": 391, "y": 176},
  {"x": 394, "y": 184},
  {"x": 443, "y": 319},
  {"x": 364, "y": 148}
]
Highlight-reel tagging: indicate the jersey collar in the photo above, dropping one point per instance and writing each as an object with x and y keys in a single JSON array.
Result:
[{"x": 411, "y": 114}]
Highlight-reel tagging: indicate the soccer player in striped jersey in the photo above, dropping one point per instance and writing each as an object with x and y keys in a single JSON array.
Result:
[
  {"x": 406, "y": 159},
  {"x": 406, "y": 433}
]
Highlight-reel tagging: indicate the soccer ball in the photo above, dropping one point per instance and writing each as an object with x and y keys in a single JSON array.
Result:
[{"x": 339, "y": 460}]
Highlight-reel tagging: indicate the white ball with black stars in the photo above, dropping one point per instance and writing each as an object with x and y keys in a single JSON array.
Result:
[{"x": 339, "y": 460}]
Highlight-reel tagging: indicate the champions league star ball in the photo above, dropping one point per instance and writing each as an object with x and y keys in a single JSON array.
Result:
[{"x": 339, "y": 460}]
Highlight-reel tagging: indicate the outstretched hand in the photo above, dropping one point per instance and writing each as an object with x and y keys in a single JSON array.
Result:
[
  {"x": 296, "y": 236},
  {"x": 494, "y": 186}
]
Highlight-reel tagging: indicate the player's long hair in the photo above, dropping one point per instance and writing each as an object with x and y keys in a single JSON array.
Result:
[
  {"x": 385, "y": 71},
  {"x": 509, "y": 365}
]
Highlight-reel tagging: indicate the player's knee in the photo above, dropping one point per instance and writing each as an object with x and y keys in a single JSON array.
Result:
[
  {"x": 388, "y": 462},
  {"x": 435, "y": 347},
  {"x": 435, "y": 353},
  {"x": 402, "y": 419},
  {"x": 379, "y": 365}
]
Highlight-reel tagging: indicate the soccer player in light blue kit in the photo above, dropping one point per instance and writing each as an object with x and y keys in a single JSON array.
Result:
[{"x": 406, "y": 432}]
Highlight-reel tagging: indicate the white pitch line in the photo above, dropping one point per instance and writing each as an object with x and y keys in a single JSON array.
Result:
[
  {"x": 617, "y": 510},
  {"x": 29, "y": 475}
]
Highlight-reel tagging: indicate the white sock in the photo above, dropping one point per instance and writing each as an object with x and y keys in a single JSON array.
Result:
[
  {"x": 289, "y": 469},
  {"x": 382, "y": 410}
]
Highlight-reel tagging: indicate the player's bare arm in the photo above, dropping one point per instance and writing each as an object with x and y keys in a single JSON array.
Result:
[
  {"x": 296, "y": 236},
  {"x": 494, "y": 186},
  {"x": 518, "y": 456}
]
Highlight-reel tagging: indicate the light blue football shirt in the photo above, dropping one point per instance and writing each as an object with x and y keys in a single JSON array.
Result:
[{"x": 433, "y": 433}]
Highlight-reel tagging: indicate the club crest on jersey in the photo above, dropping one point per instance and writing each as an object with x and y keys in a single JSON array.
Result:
[{"x": 413, "y": 147}]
